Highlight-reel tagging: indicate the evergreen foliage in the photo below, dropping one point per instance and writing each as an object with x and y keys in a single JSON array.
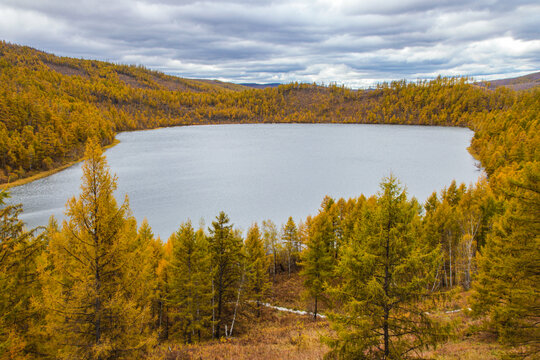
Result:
[
  {"x": 291, "y": 240},
  {"x": 384, "y": 277},
  {"x": 509, "y": 268},
  {"x": 318, "y": 259},
  {"x": 272, "y": 245},
  {"x": 190, "y": 296},
  {"x": 257, "y": 282},
  {"x": 226, "y": 260},
  {"x": 150, "y": 253}
]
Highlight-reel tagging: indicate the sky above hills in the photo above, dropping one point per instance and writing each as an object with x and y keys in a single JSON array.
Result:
[{"x": 353, "y": 42}]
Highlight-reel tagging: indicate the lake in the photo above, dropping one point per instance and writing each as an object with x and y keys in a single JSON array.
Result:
[{"x": 259, "y": 171}]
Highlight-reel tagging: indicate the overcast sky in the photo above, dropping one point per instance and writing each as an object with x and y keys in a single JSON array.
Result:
[{"x": 351, "y": 42}]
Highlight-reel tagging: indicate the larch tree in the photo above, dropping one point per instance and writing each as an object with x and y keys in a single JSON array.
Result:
[
  {"x": 270, "y": 235},
  {"x": 508, "y": 268},
  {"x": 475, "y": 210},
  {"x": 257, "y": 282},
  {"x": 384, "y": 279},
  {"x": 317, "y": 259},
  {"x": 289, "y": 236},
  {"x": 163, "y": 275},
  {"x": 226, "y": 260},
  {"x": 190, "y": 297},
  {"x": 19, "y": 250},
  {"x": 149, "y": 251},
  {"x": 90, "y": 288}
]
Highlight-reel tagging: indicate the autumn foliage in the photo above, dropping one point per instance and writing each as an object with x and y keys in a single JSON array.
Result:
[{"x": 98, "y": 287}]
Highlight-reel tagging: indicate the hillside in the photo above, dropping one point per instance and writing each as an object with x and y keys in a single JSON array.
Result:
[
  {"x": 50, "y": 105},
  {"x": 518, "y": 83},
  {"x": 459, "y": 272}
]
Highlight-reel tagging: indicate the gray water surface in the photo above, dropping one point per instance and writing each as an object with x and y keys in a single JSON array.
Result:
[{"x": 257, "y": 172}]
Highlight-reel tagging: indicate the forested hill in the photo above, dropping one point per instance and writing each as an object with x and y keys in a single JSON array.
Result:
[
  {"x": 50, "y": 105},
  {"x": 517, "y": 83},
  {"x": 387, "y": 270}
]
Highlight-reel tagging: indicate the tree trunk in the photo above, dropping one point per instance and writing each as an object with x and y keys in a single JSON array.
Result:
[
  {"x": 213, "y": 311},
  {"x": 289, "y": 260},
  {"x": 450, "y": 252},
  {"x": 386, "y": 306},
  {"x": 275, "y": 264},
  {"x": 237, "y": 299}
]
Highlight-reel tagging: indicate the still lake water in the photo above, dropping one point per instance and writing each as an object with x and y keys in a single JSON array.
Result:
[{"x": 257, "y": 172}]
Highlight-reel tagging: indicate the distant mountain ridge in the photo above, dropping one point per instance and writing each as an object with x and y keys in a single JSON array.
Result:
[
  {"x": 260, "y": 85},
  {"x": 51, "y": 105},
  {"x": 516, "y": 83}
]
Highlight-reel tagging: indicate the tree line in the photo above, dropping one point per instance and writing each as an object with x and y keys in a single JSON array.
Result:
[
  {"x": 99, "y": 287},
  {"x": 50, "y": 106}
]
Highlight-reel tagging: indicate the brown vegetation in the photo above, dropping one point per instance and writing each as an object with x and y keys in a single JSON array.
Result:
[
  {"x": 482, "y": 238},
  {"x": 276, "y": 336}
]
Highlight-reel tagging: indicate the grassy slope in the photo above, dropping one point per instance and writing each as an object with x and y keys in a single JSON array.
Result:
[
  {"x": 518, "y": 83},
  {"x": 136, "y": 77},
  {"x": 280, "y": 335}
]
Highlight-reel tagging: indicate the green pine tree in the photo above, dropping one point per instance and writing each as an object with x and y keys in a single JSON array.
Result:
[
  {"x": 508, "y": 276},
  {"x": 318, "y": 258},
  {"x": 226, "y": 259},
  {"x": 150, "y": 253},
  {"x": 272, "y": 245},
  {"x": 257, "y": 282},
  {"x": 385, "y": 275},
  {"x": 292, "y": 243},
  {"x": 190, "y": 298}
]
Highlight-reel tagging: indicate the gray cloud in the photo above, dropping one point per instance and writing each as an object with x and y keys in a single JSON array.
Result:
[{"x": 354, "y": 42}]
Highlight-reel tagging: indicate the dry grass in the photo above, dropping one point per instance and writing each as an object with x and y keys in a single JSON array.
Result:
[
  {"x": 287, "y": 292},
  {"x": 466, "y": 349},
  {"x": 66, "y": 69},
  {"x": 280, "y": 335},
  {"x": 276, "y": 336}
]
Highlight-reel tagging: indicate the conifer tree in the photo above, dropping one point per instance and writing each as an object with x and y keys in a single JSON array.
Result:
[
  {"x": 273, "y": 247},
  {"x": 318, "y": 258},
  {"x": 226, "y": 253},
  {"x": 292, "y": 244},
  {"x": 508, "y": 277},
  {"x": 91, "y": 284},
  {"x": 163, "y": 290},
  {"x": 384, "y": 278},
  {"x": 257, "y": 267},
  {"x": 149, "y": 251},
  {"x": 190, "y": 296},
  {"x": 18, "y": 253}
]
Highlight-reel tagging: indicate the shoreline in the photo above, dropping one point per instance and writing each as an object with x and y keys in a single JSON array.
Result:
[{"x": 44, "y": 174}]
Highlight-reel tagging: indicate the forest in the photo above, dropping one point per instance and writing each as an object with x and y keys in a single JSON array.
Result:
[
  {"x": 101, "y": 286},
  {"x": 50, "y": 106}
]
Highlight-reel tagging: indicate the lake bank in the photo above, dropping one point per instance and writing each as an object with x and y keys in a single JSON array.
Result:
[
  {"x": 44, "y": 174},
  {"x": 262, "y": 171}
]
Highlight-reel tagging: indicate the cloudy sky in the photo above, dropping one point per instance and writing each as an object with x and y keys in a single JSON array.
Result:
[{"x": 351, "y": 42}]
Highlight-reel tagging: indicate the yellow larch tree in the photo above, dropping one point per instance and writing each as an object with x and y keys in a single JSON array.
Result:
[{"x": 90, "y": 287}]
